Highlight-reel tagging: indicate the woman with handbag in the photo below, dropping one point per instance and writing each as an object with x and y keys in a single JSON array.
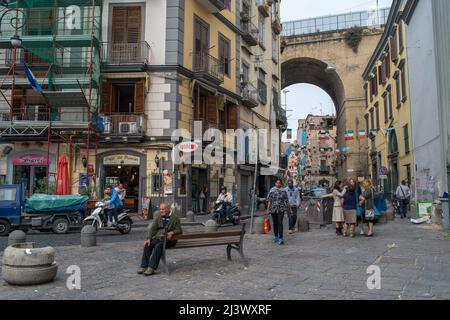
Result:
[
  {"x": 350, "y": 204},
  {"x": 278, "y": 206},
  {"x": 368, "y": 203},
  {"x": 338, "y": 210}
]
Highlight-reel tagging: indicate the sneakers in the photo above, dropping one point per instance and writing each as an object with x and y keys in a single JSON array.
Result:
[
  {"x": 291, "y": 231},
  {"x": 141, "y": 270},
  {"x": 276, "y": 239},
  {"x": 149, "y": 272},
  {"x": 281, "y": 241}
]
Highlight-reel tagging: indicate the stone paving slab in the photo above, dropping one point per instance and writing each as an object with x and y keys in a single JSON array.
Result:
[{"x": 314, "y": 265}]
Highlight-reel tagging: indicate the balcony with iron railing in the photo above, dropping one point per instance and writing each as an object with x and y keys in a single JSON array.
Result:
[
  {"x": 213, "y": 6},
  {"x": 249, "y": 32},
  {"x": 249, "y": 95},
  {"x": 208, "y": 67},
  {"x": 125, "y": 54},
  {"x": 123, "y": 126},
  {"x": 262, "y": 91}
]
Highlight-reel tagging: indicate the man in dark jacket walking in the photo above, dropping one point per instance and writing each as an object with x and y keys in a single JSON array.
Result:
[{"x": 153, "y": 245}]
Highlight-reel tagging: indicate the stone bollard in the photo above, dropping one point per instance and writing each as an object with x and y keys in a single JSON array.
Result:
[
  {"x": 17, "y": 236},
  {"x": 383, "y": 218},
  {"x": 190, "y": 216},
  {"x": 211, "y": 226},
  {"x": 88, "y": 237},
  {"x": 303, "y": 224},
  {"x": 258, "y": 225}
]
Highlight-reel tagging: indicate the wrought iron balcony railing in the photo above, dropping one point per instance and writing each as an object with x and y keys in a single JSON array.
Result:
[
  {"x": 120, "y": 53},
  {"x": 249, "y": 95},
  {"x": 249, "y": 32},
  {"x": 209, "y": 67},
  {"x": 213, "y": 6}
]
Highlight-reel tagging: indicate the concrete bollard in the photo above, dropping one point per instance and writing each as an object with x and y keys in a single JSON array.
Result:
[
  {"x": 258, "y": 225},
  {"x": 190, "y": 216},
  {"x": 17, "y": 236},
  {"x": 88, "y": 237},
  {"x": 303, "y": 224},
  {"x": 211, "y": 226}
]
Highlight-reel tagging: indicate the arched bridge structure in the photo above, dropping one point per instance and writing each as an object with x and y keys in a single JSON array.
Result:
[{"x": 317, "y": 51}]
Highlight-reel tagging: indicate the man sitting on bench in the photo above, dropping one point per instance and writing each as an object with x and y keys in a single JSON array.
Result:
[{"x": 153, "y": 245}]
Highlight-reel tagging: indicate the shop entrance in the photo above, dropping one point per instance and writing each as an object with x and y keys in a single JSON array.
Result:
[
  {"x": 127, "y": 175},
  {"x": 199, "y": 180},
  {"x": 31, "y": 177}
]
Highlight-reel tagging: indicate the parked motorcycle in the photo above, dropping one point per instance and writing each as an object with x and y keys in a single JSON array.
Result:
[
  {"x": 97, "y": 220},
  {"x": 222, "y": 215}
]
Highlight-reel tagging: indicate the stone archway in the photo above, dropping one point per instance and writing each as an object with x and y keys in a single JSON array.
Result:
[
  {"x": 313, "y": 71},
  {"x": 304, "y": 60}
]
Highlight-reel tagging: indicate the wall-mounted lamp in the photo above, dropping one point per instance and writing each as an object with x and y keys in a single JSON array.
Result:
[
  {"x": 16, "y": 42},
  {"x": 121, "y": 164}
]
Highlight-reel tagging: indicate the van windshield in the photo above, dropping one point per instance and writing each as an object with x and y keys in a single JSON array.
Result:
[{"x": 8, "y": 194}]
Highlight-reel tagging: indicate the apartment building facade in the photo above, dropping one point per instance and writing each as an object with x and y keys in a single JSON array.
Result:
[
  {"x": 388, "y": 113},
  {"x": 145, "y": 68}
]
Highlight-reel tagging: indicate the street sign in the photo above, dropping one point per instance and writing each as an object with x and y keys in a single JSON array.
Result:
[
  {"x": 383, "y": 171},
  {"x": 187, "y": 147}
]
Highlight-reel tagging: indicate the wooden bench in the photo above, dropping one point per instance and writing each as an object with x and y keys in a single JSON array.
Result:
[{"x": 233, "y": 239}]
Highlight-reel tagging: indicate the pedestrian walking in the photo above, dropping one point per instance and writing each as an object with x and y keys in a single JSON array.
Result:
[
  {"x": 360, "y": 209},
  {"x": 338, "y": 210},
  {"x": 153, "y": 245},
  {"x": 278, "y": 205},
  {"x": 368, "y": 203},
  {"x": 403, "y": 193},
  {"x": 294, "y": 199},
  {"x": 350, "y": 202}
]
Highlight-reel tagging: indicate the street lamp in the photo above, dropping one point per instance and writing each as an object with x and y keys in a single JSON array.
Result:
[{"x": 16, "y": 41}]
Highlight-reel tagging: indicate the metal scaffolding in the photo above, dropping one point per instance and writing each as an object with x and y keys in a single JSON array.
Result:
[{"x": 60, "y": 42}]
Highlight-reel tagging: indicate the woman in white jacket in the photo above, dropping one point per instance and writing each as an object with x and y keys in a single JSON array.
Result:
[{"x": 338, "y": 210}]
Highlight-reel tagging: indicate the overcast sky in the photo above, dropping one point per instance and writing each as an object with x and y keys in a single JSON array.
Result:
[{"x": 304, "y": 99}]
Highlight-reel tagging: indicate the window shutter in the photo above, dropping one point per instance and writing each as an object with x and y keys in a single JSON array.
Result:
[
  {"x": 106, "y": 97},
  {"x": 134, "y": 24},
  {"x": 232, "y": 117},
  {"x": 139, "y": 96},
  {"x": 119, "y": 24},
  {"x": 211, "y": 109},
  {"x": 17, "y": 100},
  {"x": 394, "y": 46}
]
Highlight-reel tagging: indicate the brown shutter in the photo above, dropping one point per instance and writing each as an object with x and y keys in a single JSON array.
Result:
[
  {"x": 134, "y": 25},
  {"x": 17, "y": 100},
  {"x": 394, "y": 46},
  {"x": 139, "y": 96},
  {"x": 232, "y": 117},
  {"x": 211, "y": 109},
  {"x": 126, "y": 24},
  {"x": 119, "y": 24},
  {"x": 106, "y": 97}
]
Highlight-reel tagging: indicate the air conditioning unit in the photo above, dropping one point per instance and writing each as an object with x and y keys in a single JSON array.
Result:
[{"x": 128, "y": 127}]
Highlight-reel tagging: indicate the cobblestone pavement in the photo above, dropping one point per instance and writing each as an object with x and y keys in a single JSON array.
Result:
[{"x": 313, "y": 265}]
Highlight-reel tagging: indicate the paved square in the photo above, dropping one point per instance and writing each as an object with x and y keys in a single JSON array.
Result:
[{"x": 313, "y": 265}]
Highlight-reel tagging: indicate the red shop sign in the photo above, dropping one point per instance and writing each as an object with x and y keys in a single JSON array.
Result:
[{"x": 31, "y": 160}]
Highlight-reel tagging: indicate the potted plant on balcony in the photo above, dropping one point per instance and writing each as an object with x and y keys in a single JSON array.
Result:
[
  {"x": 276, "y": 25},
  {"x": 245, "y": 18}
]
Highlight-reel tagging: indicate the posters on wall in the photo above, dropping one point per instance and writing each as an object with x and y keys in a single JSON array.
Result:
[{"x": 168, "y": 182}]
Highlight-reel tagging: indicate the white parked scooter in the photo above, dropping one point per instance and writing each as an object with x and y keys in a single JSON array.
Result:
[{"x": 96, "y": 219}]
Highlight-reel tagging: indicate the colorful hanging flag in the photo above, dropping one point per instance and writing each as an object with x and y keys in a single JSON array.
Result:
[
  {"x": 373, "y": 132},
  {"x": 362, "y": 134},
  {"x": 349, "y": 135},
  {"x": 338, "y": 151},
  {"x": 324, "y": 135}
]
